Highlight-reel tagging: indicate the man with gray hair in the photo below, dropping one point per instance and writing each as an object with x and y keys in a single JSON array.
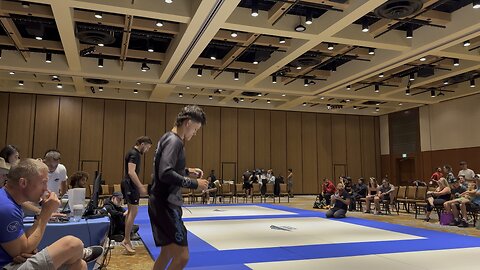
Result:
[
  {"x": 27, "y": 181},
  {"x": 57, "y": 173}
]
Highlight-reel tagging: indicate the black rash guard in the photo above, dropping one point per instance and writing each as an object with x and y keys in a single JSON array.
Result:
[{"x": 170, "y": 174}]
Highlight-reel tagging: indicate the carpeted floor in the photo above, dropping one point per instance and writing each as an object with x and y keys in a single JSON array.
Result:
[{"x": 142, "y": 259}]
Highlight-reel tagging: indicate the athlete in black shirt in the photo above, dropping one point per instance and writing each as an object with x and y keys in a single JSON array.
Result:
[
  {"x": 132, "y": 188},
  {"x": 170, "y": 175}
]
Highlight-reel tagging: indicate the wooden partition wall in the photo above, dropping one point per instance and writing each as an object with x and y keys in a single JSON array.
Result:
[{"x": 96, "y": 133}]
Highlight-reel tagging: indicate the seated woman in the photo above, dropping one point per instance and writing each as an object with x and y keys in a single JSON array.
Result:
[
  {"x": 340, "y": 201},
  {"x": 372, "y": 191},
  {"x": 79, "y": 179},
  {"x": 436, "y": 198},
  {"x": 469, "y": 198}
]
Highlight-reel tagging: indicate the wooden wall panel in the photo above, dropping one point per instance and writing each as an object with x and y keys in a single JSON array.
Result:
[
  {"x": 211, "y": 141},
  {"x": 46, "y": 124},
  {"x": 4, "y": 97},
  {"x": 294, "y": 149},
  {"x": 91, "y": 139},
  {"x": 246, "y": 141},
  {"x": 69, "y": 126},
  {"x": 309, "y": 153},
  {"x": 354, "y": 151},
  {"x": 135, "y": 127},
  {"x": 228, "y": 143},
  {"x": 368, "y": 146},
  {"x": 113, "y": 137},
  {"x": 324, "y": 146},
  {"x": 262, "y": 139},
  {"x": 21, "y": 117},
  {"x": 339, "y": 139},
  {"x": 378, "y": 152},
  {"x": 194, "y": 149},
  {"x": 278, "y": 135},
  {"x": 155, "y": 128}
]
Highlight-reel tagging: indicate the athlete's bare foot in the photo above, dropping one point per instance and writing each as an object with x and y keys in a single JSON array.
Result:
[{"x": 128, "y": 247}]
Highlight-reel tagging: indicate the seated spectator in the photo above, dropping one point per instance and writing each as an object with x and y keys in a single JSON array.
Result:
[
  {"x": 28, "y": 182},
  {"x": 372, "y": 191},
  {"x": 113, "y": 206},
  {"x": 4, "y": 168},
  {"x": 462, "y": 182},
  {"x": 448, "y": 174},
  {"x": 456, "y": 190},
  {"x": 79, "y": 179},
  {"x": 247, "y": 178},
  {"x": 436, "y": 198},
  {"x": 468, "y": 200},
  {"x": 270, "y": 177},
  {"x": 359, "y": 191},
  {"x": 467, "y": 173},
  {"x": 210, "y": 191},
  {"x": 436, "y": 176},
  {"x": 340, "y": 201},
  {"x": 10, "y": 154},
  {"x": 328, "y": 189},
  {"x": 384, "y": 193}
]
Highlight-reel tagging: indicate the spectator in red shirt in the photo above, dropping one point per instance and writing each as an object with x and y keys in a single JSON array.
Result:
[
  {"x": 328, "y": 189},
  {"x": 436, "y": 176}
]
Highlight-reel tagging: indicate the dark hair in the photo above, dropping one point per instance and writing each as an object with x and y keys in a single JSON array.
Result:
[
  {"x": 76, "y": 177},
  {"x": 191, "y": 112},
  {"x": 448, "y": 167},
  {"x": 8, "y": 151},
  {"x": 143, "y": 139},
  {"x": 290, "y": 170},
  {"x": 463, "y": 163}
]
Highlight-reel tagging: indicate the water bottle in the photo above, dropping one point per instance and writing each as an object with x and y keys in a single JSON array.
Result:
[{"x": 77, "y": 212}]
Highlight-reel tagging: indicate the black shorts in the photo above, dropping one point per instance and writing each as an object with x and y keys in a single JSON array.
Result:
[
  {"x": 167, "y": 223},
  {"x": 130, "y": 192}
]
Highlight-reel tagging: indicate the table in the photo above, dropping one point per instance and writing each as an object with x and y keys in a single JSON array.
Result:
[{"x": 91, "y": 231}]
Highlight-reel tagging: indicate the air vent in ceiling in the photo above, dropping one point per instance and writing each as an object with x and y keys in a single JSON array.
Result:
[
  {"x": 250, "y": 94},
  {"x": 306, "y": 61},
  {"x": 398, "y": 9},
  {"x": 95, "y": 37},
  {"x": 96, "y": 81}
]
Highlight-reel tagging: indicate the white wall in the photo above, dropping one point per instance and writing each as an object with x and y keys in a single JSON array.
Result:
[{"x": 451, "y": 124}]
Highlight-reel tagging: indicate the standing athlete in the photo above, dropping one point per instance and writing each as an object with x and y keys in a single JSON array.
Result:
[
  {"x": 165, "y": 201},
  {"x": 132, "y": 188}
]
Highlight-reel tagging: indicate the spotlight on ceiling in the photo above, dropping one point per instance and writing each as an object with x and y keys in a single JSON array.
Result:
[
  {"x": 365, "y": 26},
  {"x": 445, "y": 82},
  {"x": 159, "y": 23},
  {"x": 268, "y": 101},
  {"x": 407, "y": 92},
  {"x": 377, "y": 88},
  {"x": 199, "y": 72},
  {"x": 309, "y": 19},
  {"x": 349, "y": 87},
  {"x": 100, "y": 62},
  {"x": 466, "y": 43},
  {"x": 242, "y": 99},
  {"x": 20, "y": 83},
  {"x": 145, "y": 67},
  {"x": 12, "y": 73},
  {"x": 98, "y": 15},
  {"x": 456, "y": 62},
  {"x": 60, "y": 86},
  {"x": 210, "y": 97},
  {"x": 432, "y": 93},
  {"x": 472, "y": 83},
  {"x": 305, "y": 82},
  {"x": 254, "y": 11},
  {"x": 304, "y": 104},
  {"x": 476, "y": 4},
  {"x": 168, "y": 1},
  {"x": 330, "y": 46},
  {"x": 274, "y": 79},
  {"x": 411, "y": 77},
  {"x": 48, "y": 57},
  {"x": 381, "y": 75},
  {"x": 371, "y": 51},
  {"x": 180, "y": 95},
  {"x": 38, "y": 37},
  {"x": 300, "y": 28},
  {"x": 135, "y": 91},
  {"x": 409, "y": 33},
  {"x": 281, "y": 40},
  {"x": 234, "y": 34},
  {"x": 236, "y": 76},
  {"x": 423, "y": 59},
  {"x": 100, "y": 89}
]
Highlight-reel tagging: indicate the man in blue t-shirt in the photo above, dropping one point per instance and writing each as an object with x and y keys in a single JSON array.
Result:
[{"x": 27, "y": 181}]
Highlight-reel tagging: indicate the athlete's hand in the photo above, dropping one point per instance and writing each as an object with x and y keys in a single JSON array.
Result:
[{"x": 202, "y": 184}]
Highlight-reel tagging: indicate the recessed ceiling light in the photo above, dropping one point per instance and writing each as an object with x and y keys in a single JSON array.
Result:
[
  {"x": 100, "y": 62},
  {"x": 407, "y": 92},
  {"x": 55, "y": 76},
  {"x": 472, "y": 83},
  {"x": 274, "y": 79},
  {"x": 199, "y": 72},
  {"x": 423, "y": 59},
  {"x": 322, "y": 98},
  {"x": 138, "y": 83},
  {"x": 98, "y": 15},
  {"x": 159, "y": 23},
  {"x": 304, "y": 104},
  {"x": 234, "y": 34},
  {"x": 400, "y": 104},
  {"x": 259, "y": 94},
  {"x": 299, "y": 67},
  {"x": 284, "y": 95},
  {"x": 236, "y": 76},
  {"x": 255, "y": 62},
  {"x": 12, "y": 72},
  {"x": 377, "y": 109},
  {"x": 305, "y": 82},
  {"x": 349, "y": 87},
  {"x": 20, "y": 83},
  {"x": 330, "y": 46},
  {"x": 242, "y": 99},
  {"x": 377, "y": 88},
  {"x": 213, "y": 57},
  {"x": 180, "y": 95},
  {"x": 347, "y": 100},
  {"x": 135, "y": 91},
  {"x": 168, "y": 1},
  {"x": 60, "y": 86},
  {"x": 411, "y": 77},
  {"x": 268, "y": 101},
  {"x": 101, "y": 44},
  {"x": 150, "y": 49},
  {"x": 210, "y": 97},
  {"x": 354, "y": 107},
  {"x": 445, "y": 82},
  {"x": 38, "y": 38}
]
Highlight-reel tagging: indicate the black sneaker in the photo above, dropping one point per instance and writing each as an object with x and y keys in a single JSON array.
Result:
[
  {"x": 92, "y": 253},
  {"x": 454, "y": 223},
  {"x": 463, "y": 224}
]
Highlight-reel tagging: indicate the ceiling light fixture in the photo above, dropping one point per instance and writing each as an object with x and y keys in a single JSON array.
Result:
[
  {"x": 281, "y": 40},
  {"x": 210, "y": 97},
  {"x": 12, "y": 72},
  {"x": 466, "y": 43},
  {"x": 330, "y": 46},
  {"x": 242, "y": 99},
  {"x": 334, "y": 68},
  {"x": 284, "y": 95},
  {"x": 48, "y": 57},
  {"x": 20, "y": 83},
  {"x": 145, "y": 67},
  {"x": 409, "y": 33},
  {"x": 236, "y": 76},
  {"x": 38, "y": 37},
  {"x": 381, "y": 75},
  {"x": 135, "y": 91},
  {"x": 100, "y": 62},
  {"x": 159, "y": 23},
  {"x": 432, "y": 93},
  {"x": 254, "y": 11},
  {"x": 377, "y": 88},
  {"x": 255, "y": 62},
  {"x": 305, "y": 82},
  {"x": 138, "y": 83},
  {"x": 407, "y": 92},
  {"x": 60, "y": 86},
  {"x": 180, "y": 95},
  {"x": 259, "y": 94},
  {"x": 472, "y": 83},
  {"x": 168, "y": 1},
  {"x": 354, "y": 107},
  {"x": 423, "y": 59},
  {"x": 309, "y": 19},
  {"x": 377, "y": 109},
  {"x": 400, "y": 104},
  {"x": 456, "y": 62},
  {"x": 412, "y": 77},
  {"x": 299, "y": 67},
  {"x": 371, "y": 51},
  {"x": 304, "y": 104},
  {"x": 365, "y": 26},
  {"x": 476, "y": 4},
  {"x": 100, "y": 89},
  {"x": 199, "y": 72},
  {"x": 274, "y": 79},
  {"x": 101, "y": 44},
  {"x": 25, "y": 4},
  {"x": 268, "y": 101},
  {"x": 234, "y": 34},
  {"x": 445, "y": 82},
  {"x": 349, "y": 87},
  {"x": 329, "y": 107},
  {"x": 98, "y": 15}
]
